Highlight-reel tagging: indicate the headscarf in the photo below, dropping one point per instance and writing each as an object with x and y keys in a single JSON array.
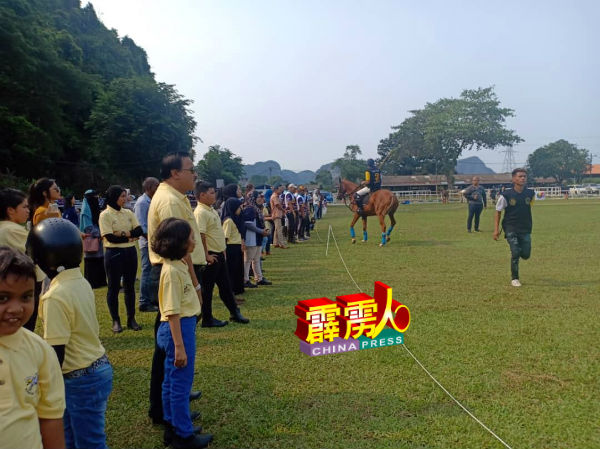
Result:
[
  {"x": 90, "y": 210},
  {"x": 260, "y": 218},
  {"x": 230, "y": 191},
  {"x": 229, "y": 208},
  {"x": 112, "y": 195}
]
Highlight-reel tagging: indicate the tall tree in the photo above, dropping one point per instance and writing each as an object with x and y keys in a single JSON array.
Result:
[
  {"x": 220, "y": 163},
  {"x": 434, "y": 137},
  {"x": 324, "y": 179},
  {"x": 350, "y": 166},
  {"x": 560, "y": 160},
  {"x": 135, "y": 123}
]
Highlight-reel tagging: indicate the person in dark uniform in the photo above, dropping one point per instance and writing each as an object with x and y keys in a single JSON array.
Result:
[
  {"x": 517, "y": 223},
  {"x": 372, "y": 183},
  {"x": 475, "y": 195}
]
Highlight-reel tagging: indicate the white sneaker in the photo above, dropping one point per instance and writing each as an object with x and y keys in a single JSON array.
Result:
[{"x": 515, "y": 283}]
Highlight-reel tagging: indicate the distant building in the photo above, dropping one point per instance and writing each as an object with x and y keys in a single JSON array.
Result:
[
  {"x": 429, "y": 182},
  {"x": 593, "y": 171}
]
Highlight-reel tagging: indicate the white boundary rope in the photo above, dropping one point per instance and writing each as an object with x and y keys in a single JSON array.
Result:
[
  {"x": 330, "y": 232},
  {"x": 341, "y": 258}
]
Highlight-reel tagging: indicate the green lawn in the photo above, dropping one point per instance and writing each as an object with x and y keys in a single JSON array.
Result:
[{"x": 524, "y": 361}]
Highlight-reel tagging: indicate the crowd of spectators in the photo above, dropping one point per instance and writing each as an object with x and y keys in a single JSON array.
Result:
[{"x": 184, "y": 253}]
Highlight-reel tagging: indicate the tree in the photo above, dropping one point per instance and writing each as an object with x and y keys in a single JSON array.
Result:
[
  {"x": 434, "y": 137},
  {"x": 324, "y": 179},
  {"x": 350, "y": 166},
  {"x": 220, "y": 163},
  {"x": 135, "y": 123},
  {"x": 258, "y": 180},
  {"x": 560, "y": 160}
]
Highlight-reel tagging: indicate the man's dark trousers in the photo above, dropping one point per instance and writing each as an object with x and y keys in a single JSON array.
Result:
[
  {"x": 474, "y": 211},
  {"x": 217, "y": 273},
  {"x": 520, "y": 247},
  {"x": 291, "y": 227}
]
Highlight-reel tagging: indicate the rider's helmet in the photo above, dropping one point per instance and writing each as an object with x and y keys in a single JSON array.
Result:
[{"x": 371, "y": 163}]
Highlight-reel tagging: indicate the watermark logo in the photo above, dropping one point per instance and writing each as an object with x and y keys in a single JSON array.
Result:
[{"x": 351, "y": 322}]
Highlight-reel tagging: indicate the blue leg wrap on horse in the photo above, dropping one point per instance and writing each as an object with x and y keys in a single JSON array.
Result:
[
  {"x": 365, "y": 235},
  {"x": 383, "y": 238},
  {"x": 352, "y": 233},
  {"x": 390, "y": 230}
]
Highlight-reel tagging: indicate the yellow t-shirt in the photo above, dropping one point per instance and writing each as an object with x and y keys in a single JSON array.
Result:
[
  {"x": 209, "y": 224},
  {"x": 68, "y": 313},
  {"x": 42, "y": 213},
  {"x": 14, "y": 236},
  {"x": 31, "y": 387},
  {"x": 168, "y": 202},
  {"x": 232, "y": 234},
  {"x": 268, "y": 223},
  {"x": 176, "y": 294},
  {"x": 113, "y": 221}
]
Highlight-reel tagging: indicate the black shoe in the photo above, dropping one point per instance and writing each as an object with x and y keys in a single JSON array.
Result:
[
  {"x": 249, "y": 284},
  {"x": 195, "y": 395},
  {"x": 192, "y": 442},
  {"x": 169, "y": 433},
  {"x": 148, "y": 308},
  {"x": 133, "y": 325},
  {"x": 195, "y": 415},
  {"x": 214, "y": 323},
  {"x": 264, "y": 281},
  {"x": 116, "y": 327},
  {"x": 238, "y": 317}
]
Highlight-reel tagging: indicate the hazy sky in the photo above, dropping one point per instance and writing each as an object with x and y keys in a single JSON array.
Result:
[{"x": 297, "y": 81}]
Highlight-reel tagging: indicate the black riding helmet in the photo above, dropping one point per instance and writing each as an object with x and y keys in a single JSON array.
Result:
[{"x": 55, "y": 245}]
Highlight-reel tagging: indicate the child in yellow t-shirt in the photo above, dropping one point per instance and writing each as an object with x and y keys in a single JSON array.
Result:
[
  {"x": 179, "y": 308},
  {"x": 32, "y": 395},
  {"x": 68, "y": 314}
]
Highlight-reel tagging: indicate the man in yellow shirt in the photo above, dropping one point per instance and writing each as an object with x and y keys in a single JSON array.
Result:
[
  {"x": 170, "y": 200},
  {"x": 213, "y": 241},
  {"x": 32, "y": 395}
]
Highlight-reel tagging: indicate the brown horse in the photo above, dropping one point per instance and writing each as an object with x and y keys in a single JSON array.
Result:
[{"x": 381, "y": 203}]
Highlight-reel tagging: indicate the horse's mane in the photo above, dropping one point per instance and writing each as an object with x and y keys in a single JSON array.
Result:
[{"x": 348, "y": 183}]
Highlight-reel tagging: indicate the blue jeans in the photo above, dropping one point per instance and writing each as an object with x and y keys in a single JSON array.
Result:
[
  {"x": 177, "y": 383},
  {"x": 474, "y": 211},
  {"x": 84, "y": 416},
  {"x": 520, "y": 247},
  {"x": 145, "y": 285}
]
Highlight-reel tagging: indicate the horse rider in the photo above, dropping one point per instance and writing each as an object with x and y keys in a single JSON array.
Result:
[{"x": 372, "y": 183}]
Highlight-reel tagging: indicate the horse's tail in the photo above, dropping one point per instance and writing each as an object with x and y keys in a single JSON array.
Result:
[{"x": 393, "y": 205}]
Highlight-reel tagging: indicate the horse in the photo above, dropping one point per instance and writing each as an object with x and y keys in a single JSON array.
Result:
[{"x": 381, "y": 203}]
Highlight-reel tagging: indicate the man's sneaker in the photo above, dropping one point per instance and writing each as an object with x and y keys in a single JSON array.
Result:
[
  {"x": 515, "y": 283},
  {"x": 148, "y": 308}
]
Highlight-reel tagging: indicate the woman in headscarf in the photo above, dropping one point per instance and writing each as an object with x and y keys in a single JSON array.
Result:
[
  {"x": 93, "y": 251},
  {"x": 233, "y": 227},
  {"x": 120, "y": 229}
]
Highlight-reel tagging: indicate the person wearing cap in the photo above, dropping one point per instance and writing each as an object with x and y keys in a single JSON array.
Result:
[
  {"x": 372, "y": 183},
  {"x": 277, "y": 213},
  {"x": 289, "y": 202}
]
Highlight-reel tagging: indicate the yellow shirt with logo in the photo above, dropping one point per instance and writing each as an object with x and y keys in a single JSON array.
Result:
[
  {"x": 232, "y": 234},
  {"x": 176, "y": 294},
  {"x": 168, "y": 202},
  {"x": 68, "y": 313},
  {"x": 14, "y": 236},
  {"x": 112, "y": 221},
  {"x": 209, "y": 224},
  {"x": 31, "y": 387}
]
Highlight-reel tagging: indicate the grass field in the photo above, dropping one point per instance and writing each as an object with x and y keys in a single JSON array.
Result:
[{"x": 524, "y": 361}]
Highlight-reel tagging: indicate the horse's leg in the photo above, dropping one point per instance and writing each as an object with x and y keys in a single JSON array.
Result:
[
  {"x": 352, "y": 233},
  {"x": 392, "y": 224},
  {"x": 382, "y": 224},
  {"x": 365, "y": 236}
]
